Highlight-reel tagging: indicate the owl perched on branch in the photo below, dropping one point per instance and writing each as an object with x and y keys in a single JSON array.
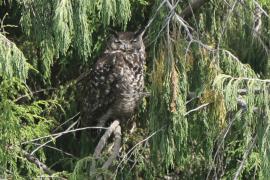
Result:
[{"x": 114, "y": 87}]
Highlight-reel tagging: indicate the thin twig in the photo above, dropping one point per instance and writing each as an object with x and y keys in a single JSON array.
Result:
[
  {"x": 180, "y": 20},
  {"x": 196, "y": 109},
  {"x": 220, "y": 144},
  {"x": 245, "y": 156},
  {"x": 64, "y": 132},
  {"x": 42, "y": 145},
  {"x": 240, "y": 102},
  {"x": 32, "y": 93},
  {"x": 57, "y": 128},
  {"x": 227, "y": 18},
  {"x": 57, "y": 149},
  {"x": 154, "y": 16},
  {"x": 131, "y": 150}
]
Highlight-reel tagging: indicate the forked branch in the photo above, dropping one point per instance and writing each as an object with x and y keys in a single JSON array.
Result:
[{"x": 116, "y": 129}]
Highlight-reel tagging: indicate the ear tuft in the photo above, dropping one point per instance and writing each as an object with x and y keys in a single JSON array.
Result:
[
  {"x": 139, "y": 32},
  {"x": 113, "y": 32}
]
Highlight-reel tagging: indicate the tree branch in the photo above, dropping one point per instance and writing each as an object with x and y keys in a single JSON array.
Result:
[
  {"x": 62, "y": 133},
  {"x": 102, "y": 142},
  {"x": 42, "y": 145},
  {"x": 196, "y": 109},
  {"x": 38, "y": 163},
  {"x": 245, "y": 156},
  {"x": 240, "y": 102},
  {"x": 132, "y": 149},
  {"x": 116, "y": 149}
]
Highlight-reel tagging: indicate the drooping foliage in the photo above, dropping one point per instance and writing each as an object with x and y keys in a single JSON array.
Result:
[
  {"x": 207, "y": 73},
  {"x": 210, "y": 63},
  {"x": 70, "y": 26},
  {"x": 13, "y": 62}
]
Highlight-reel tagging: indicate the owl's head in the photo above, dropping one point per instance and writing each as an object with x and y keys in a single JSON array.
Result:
[{"x": 126, "y": 41}]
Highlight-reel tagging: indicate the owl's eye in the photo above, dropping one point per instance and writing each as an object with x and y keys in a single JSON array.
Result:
[
  {"x": 134, "y": 40},
  {"x": 117, "y": 41}
]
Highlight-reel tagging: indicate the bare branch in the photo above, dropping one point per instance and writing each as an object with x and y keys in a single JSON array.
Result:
[
  {"x": 66, "y": 122},
  {"x": 245, "y": 156},
  {"x": 42, "y": 145},
  {"x": 64, "y": 132},
  {"x": 196, "y": 109},
  {"x": 102, "y": 142},
  {"x": 38, "y": 163},
  {"x": 240, "y": 102},
  {"x": 180, "y": 20},
  {"x": 261, "y": 9},
  {"x": 131, "y": 150},
  {"x": 57, "y": 149},
  {"x": 32, "y": 93},
  {"x": 225, "y": 133},
  {"x": 154, "y": 16},
  {"x": 104, "y": 138},
  {"x": 116, "y": 149}
]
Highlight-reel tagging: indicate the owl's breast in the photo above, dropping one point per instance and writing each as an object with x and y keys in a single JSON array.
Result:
[{"x": 130, "y": 84}]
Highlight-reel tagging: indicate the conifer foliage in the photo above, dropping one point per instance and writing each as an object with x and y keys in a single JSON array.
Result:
[{"x": 207, "y": 72}]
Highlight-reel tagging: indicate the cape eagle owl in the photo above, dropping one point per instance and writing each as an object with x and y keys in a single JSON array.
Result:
[{"x": 114, "y": 87}]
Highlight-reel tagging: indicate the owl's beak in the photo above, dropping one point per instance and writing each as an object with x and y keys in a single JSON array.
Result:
[{"x": 125, "y": 46}]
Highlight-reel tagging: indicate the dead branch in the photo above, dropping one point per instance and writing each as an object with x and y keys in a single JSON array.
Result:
[
  {"x": 56, "y": 149},
  {"x": 32, "y": 93},
  {"x": 38, "y": 163},
  {"x": 62, "y": 133},
  {"x": 68, "y": 120},
  {"x": 223, "y": 135},
  {"x": 103, "y": 141},
  {"x": 240, "y": 102},
  {"x": 179, "y": 19},
  {"x": 245, "y": 91},
  {"x": 104, "y": 138},
  {"x": 42, "y": 145},
  {"x": 196, "y": 109},
  {"x": 245, "y": 156},
  {"x": 116, "y": 149},
  {"x": 132, "y": 149}
]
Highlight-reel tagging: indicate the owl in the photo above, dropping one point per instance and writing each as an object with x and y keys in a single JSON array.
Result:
[{"x": 115, "y": 85}]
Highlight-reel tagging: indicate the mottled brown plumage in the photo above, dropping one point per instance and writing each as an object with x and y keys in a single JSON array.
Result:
[{"x": 114, "y": 87}]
